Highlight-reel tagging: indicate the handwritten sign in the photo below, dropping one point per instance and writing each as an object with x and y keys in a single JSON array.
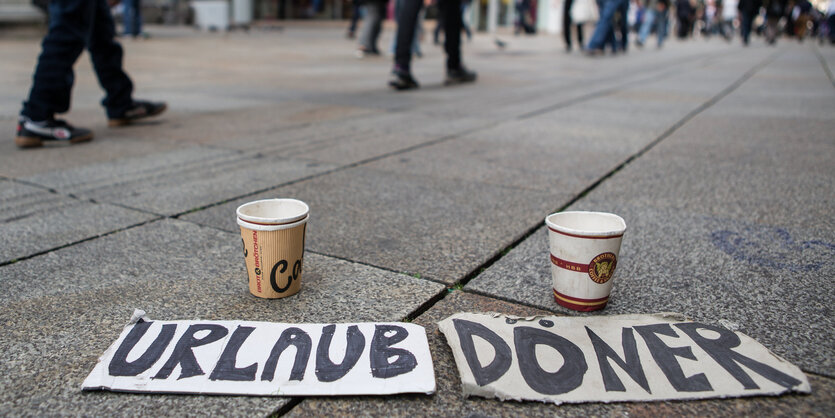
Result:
[
  {"x": 611, "y": 358},
  {"x": 261, "y": 358}
]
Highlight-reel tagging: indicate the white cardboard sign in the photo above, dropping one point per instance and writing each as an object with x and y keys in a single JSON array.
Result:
[
  {"x": 611, "y": 358},
  {"x": 262, "y": 358}
]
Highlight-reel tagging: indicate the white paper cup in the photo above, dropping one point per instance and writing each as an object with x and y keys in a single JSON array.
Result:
[
  {"x": 273, "y": 211},
  {"x": 273, "y": 245},
  {"x": 584, "y": 253}
]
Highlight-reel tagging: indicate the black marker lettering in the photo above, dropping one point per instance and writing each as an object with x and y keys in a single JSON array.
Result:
[
  {"x": 381, "y": 352},
  {"x": 120, "y": 366},
  {"x": 297, "y": 338},
  {"x": 501, "y": 362},
  {"x": 183, "y": 355},
  {"x": 327, "y": 371},
  {"x": 631, "y": 364},
  {"x": 665, "y": 357},
  {"x": 567, "y": 378},
  {"x": 225, "y": 368},
  {"x": 720, "y": 350}
]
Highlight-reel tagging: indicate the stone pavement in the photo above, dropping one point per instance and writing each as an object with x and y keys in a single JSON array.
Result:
[{"x": 423, "y": 204}]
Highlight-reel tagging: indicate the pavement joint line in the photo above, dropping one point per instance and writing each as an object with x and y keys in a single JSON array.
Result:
[
  {"x": 825, "y": 66},
  {"x": 81, "y": 241}
]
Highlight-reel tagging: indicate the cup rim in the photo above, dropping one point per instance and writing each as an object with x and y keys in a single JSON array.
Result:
[
  {"x": 578, "y": 233},
  {"x": 272, "y": 221},
  {"x": 271, "y": 227}
]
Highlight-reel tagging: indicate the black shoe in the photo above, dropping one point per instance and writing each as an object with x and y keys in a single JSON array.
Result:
[
  {"x": 459, "y": 75},
  {"x": 140, "y": 109},
  {"x": 402, "y": 80},
  {"x": 31, "y": 134}
]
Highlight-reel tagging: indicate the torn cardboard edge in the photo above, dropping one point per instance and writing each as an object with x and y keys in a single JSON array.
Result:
[
  {"x": 263, "y": 358},
  {"x": 652, "y": 357}
]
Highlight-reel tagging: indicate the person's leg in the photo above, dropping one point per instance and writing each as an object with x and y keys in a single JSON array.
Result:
[
  {"x": 604, "y": 25},
  {"x": 405, "y": 34},
  {"x": 370, "y": 26},
  {"x": 69, "y": 27},
  {"x": 451, "y": 11},
  {"x": 580, "y": 43},
  {"x": 566, "y": 24},
  {"x": 128, "y": 18},
  {"x": 661, "y": 27},
  {"x": 646, "y": 26},
  {"x": 623, "y": 8},
  {"x": 745, "y": 26},
  {"x": 106, "y": 55}
]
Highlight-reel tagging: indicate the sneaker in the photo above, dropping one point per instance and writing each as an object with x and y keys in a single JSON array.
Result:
[
  {"x": 31, "y": 134},
  {"x": 402, "y": 80},
  {"x": 459, "y": 75},
  {"x": 140, "y": 109},
  {"x": 363, "y": 52}
]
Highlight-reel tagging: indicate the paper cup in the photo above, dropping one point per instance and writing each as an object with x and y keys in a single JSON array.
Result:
[
  {"x": 274, "y": 252},
  {"x": 584, "y": 254}
]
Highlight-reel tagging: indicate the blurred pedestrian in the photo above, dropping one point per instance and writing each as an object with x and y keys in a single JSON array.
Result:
[
  {"x": 774, "y": 11},
  {"x": 372, "y": 25},
  {"x": 73, "y": 26},
  {"x": 685, "y": 17},
  {"x": 356, "y": 13},
  {"x": 132, "y": 17},
  {"x": 655, "y": 18},
  {"x": 456, "y": 72},
  {"x": 575, "y": 14},
  {"x": 748, "y": 10},
  {"x": 398, "y": 5},
  {"x": 604, "y": 31},
  {"x": 523, "y": 18}
]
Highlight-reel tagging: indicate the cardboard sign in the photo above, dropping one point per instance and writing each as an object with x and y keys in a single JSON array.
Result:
[
  {"x": 262, "y": 358},
  {"x": 611, "y": 358}
]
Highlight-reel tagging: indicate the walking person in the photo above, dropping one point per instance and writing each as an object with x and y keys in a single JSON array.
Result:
[
  {"x": 398, "y": 5},
  {"x": 774, "y": 11},
  {"x": 456, "y": 72},
  {"x": 73, "y": 26},
  {"x": 132, "y": 17},
  {"x": 748, "y": 10},
  {"x": 575, "y": 14},
  {"x": 604, "y": 32},
  {"x": 372, "y": 25},
  {"x": 655, "y": 17}
]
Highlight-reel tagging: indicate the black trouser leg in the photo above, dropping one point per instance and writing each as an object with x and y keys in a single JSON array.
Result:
[
  {"x": 106, "y": 55},
  {"x": 451, "y": 10},
  {"x": 406, "y": 22},
  {"x": 566, "y": 23}
]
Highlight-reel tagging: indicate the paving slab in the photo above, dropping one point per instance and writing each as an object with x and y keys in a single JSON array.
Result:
[
  {"x": 34, "y": 220},
  {"x": 440, "y": 229},
  {"x": 448, "y": 400},
  {"x": 736, "y": 234},
  {"x": 179, "y": 181},
  {"x": 63, "y": 309}
]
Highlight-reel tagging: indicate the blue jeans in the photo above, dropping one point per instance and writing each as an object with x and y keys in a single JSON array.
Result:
[
  {"x": 604, "y": 31},
  {"x": 133, "y": 17},
  {"x": 74, "y": 25},
  {"x": 654, "y": 18}
]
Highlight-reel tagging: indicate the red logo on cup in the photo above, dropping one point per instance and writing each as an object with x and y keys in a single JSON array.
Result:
[{"x": 602, "y": 267}]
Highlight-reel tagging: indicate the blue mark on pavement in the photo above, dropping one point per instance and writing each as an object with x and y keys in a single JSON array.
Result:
[{"x": 774, "y": 248}]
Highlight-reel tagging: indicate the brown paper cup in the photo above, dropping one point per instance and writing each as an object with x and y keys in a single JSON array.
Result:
[
  {"x": 273, "y": 233},
  {"x": 274, "y": 257}
]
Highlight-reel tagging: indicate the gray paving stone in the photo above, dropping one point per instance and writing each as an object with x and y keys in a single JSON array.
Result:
[
  {"x": 179, "y": 181},
  {"x": 441, "y": 229},
  {"x": 33, "y": 220},
  {"x": 63, "y": 309},
  {"x": 448, "y": 400}
]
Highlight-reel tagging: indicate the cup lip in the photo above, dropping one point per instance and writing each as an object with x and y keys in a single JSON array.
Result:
[
  {"x": 271, "y": 227},
  {"x": 272, "y": 221},
  {"x": 577, "y": 233}
]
